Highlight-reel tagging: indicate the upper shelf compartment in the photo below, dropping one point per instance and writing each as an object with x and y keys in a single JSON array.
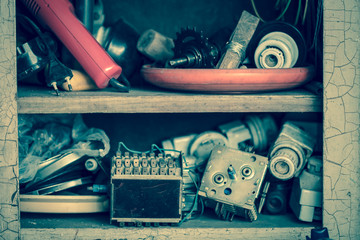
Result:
[{"x": 33, "y": 100}]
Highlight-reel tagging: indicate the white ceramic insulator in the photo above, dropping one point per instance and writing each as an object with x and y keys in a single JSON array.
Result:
[{"x": 276, "y": 50}]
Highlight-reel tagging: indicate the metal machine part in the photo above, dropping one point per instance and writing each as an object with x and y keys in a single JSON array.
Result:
[
  {"x": 180, "y": 144},
  {"x": 45, "y": 190},
  {"x": 191, "y": 181},
  {"x": 264, "y": 192},
  {"x": 189, "y": 203},
  {"x": 56, "y": 166},
  {"x": 193, "y": 50},
  {"x": 276, "y": 50},
  {"x": 277, "y": 45},
  {"x": 290, "y": 152},
  {"x": 256, "y": 131},
  {"x": 204, "y": 143},
  {"x": 306, "y": 194},
  {"x": 232, "y": 181},
  {"x": 146, "y": 188},
  {"x": 277, "y": 197},
  {"x": 64, "y": 203},
  {"x": 189, "y": 168},
  {"x": 32, "y": 57}
]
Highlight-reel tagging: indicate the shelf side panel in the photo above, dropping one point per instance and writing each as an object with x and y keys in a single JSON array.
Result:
[
  {"x": 9, "y": 198},
  {"x": 341, "y": 119}
]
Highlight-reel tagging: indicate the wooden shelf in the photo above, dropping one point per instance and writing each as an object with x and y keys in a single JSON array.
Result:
[
  {"x": 96, "y": 226},
  {"x": 33, "y": 100}
]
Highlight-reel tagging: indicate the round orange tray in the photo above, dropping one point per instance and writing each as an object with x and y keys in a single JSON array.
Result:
[{"x": 227, "y": 80}]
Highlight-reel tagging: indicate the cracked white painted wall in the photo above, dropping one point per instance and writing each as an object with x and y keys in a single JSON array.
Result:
[
  {"x": 9, "y": 200},
  {"x": 341, "y": 118}
]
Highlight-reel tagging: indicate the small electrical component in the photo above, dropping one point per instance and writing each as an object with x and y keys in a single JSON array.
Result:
[
  {"x": 231, "y": 182},
  {"x": 204, "y": 143},
  {"x": 306, "y": 195},
  {"x": 146, "y": 188},
  {"x": 254, "y": 133},
  {"x": 290, "y": 152},
  {"x": 277, "y": 197}
]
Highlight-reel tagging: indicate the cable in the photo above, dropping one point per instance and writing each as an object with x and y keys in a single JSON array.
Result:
[
  {"x": 284, "y": 11},
  {"x": 318, "y": 21},
  {"x": 188, "y": 216},
  {"x": 121, "y": 144},
  {"x": 305, "y": 11},
  {"x": 102, "y": 167},
  {"x": 278, "y": 18},
  {"x": 128, "y": 149},
  {"x": 157, "y": 147},
  {"x": 56, "y": 72},
  {"x": 298, "y": 13},
  {"x": 256, "y": 11}
]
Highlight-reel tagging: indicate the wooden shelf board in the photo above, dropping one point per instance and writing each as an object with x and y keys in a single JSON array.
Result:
[
  {"x": 36, "y": 226},
  {"x": 33, "y": 100}
]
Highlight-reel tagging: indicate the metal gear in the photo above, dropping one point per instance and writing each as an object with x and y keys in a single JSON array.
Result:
[{"x": 193, "y": 50}]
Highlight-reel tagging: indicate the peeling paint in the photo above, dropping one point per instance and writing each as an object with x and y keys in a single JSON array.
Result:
[
  {"x": 9, "y": 202},
  {"x": 341, "y": 125}
]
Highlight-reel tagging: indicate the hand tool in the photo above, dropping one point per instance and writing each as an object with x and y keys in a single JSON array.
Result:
[{"x": 60, "y": 18}]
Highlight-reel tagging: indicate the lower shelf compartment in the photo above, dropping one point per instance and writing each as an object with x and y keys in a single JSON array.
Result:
[{"x": 208, "y": 226}]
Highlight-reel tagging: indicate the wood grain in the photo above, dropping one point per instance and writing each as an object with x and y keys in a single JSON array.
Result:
[{"x": 160, "y": 101}]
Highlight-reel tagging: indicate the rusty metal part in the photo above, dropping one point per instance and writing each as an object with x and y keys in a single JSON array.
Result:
[
  {"x": 193, "y": 50},
  {"x": 232, "y": 179}
]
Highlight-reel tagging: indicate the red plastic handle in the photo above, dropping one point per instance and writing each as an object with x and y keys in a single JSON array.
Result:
[{"x": 59, "y": 16}]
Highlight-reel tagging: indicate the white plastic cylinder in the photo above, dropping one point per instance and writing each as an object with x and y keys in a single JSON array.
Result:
[{"x": 276, "y": 50}]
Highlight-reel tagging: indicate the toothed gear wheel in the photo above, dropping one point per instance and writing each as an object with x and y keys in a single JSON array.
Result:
[{"x": 194, "y": 49}]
